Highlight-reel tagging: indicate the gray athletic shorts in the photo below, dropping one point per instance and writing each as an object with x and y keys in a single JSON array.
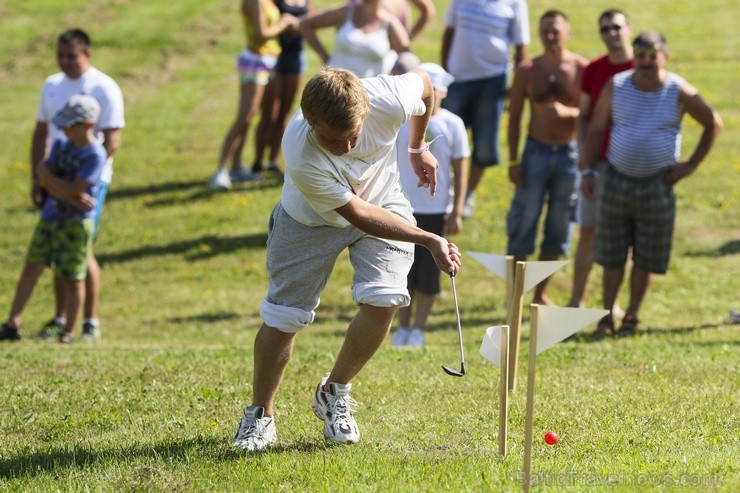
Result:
[
  {"x": 587, "y": 210},
  {"x": 300, "y": 260}
]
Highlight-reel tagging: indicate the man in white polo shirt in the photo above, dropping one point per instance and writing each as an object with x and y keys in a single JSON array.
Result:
[{"x": 77, "y": 76}]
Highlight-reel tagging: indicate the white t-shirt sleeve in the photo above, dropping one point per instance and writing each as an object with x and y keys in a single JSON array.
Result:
[
  {"x": 520, "y": 29},
  {"x": 111, "y": 103},
  {"x": 43, "y": 114},
  {"x": 450, "y": 14}
]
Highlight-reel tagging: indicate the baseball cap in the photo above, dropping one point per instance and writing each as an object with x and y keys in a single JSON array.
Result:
[
  {"x": 441, "y": 79},
  {"x": 80, "y": 108}
]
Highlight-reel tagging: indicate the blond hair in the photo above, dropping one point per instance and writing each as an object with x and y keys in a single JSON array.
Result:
[{"x": 336, "y": 98}]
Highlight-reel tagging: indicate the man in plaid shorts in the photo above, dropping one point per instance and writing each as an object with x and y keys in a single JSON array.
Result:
[{"x": 645, "y": 107}]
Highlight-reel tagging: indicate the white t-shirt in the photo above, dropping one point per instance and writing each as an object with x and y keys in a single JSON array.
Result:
[
  {"x": 317, "y": 182},
  {"x": 58, "y": 88},
  {"x": 365, "y": 54},
  {"x": 453, "y": 144},
  {"x": 484, "y": 32}
]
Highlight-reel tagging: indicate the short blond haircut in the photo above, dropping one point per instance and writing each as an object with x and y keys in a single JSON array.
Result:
[{"x": 336, "y": 98}]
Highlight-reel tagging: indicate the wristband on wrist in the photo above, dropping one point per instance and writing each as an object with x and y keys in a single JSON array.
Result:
[
  {"x": 589, "y": 172},
  {"x": 419, "y": 150},
  {"x": 424, "y": 146}
]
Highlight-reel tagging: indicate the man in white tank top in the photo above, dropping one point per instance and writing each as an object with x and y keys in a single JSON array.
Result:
[{"x": 644, "y": 107}]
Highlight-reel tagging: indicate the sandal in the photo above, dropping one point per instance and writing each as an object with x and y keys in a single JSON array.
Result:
[
  {"x": 629, "y": 327},
  {"x": 605, "y": 327},
  {"x": 66, "y": 338}
]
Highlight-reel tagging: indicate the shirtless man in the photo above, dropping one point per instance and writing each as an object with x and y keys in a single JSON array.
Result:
[{"x": 549, "y": 164}]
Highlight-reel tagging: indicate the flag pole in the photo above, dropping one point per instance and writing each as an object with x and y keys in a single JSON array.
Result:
[
  {"x": 503, "y": 424},
  {"x": 516, "y": 324},
  {"x": 530, "y": 399}
]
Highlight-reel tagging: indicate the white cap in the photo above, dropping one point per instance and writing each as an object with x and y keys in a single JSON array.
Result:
[{"x": 441, "y": 79}]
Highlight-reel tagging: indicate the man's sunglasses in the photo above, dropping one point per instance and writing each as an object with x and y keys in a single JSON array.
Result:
[
  {"x": 608, "y": 29},
  {"x": 642, "y": 51}
]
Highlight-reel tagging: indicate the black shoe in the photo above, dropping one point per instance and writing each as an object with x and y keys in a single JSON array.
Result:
[
  {"x": 257, "y": 167},
  {"x": 9, "y": 332},
  {"x": 51, "y": 329},
  {"x": 90, "y": 332}
]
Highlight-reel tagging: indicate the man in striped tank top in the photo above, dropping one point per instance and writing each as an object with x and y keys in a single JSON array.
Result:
[{"x": 645, "y": 107}]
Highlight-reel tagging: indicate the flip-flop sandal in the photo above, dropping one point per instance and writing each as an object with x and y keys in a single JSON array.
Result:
[
  {"x": 605, "y": 327},
  {"x": 629, "y": 327}
]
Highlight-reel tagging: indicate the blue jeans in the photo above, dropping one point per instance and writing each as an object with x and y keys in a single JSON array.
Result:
[
  {"x": 552, "y": 171},
  {"x": 99, "y": 202},
  {"x": 480, "y": 104}
]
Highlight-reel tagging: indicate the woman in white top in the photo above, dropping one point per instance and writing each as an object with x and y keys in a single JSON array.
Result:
[{"x": 366, "y": 35}]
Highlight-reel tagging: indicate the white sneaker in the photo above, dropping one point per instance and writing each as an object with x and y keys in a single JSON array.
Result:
[
  {"x": 240, "y": 173},
  {"x": 469, "y": 206},
  {"x": 416, "y": 338},
  {"x": 401, "y": 337},
  {"x": 220, "y": 180},
  {"x": 336, "y": 408},
  {"x": 255, "y": 432}
]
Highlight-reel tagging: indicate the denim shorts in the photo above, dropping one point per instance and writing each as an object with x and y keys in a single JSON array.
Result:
[
  {"x": 636, "y": 212},
  {"x": 99, "y": 203},
  {"x": 255, "y": 68},
  {"x": 552, "y": 171},
  {"x": 480, "y": 104},
  {"x": 291, "y": 63},
  {"x": 424, "y": 274},
  {"x": 300, "y": 260}
]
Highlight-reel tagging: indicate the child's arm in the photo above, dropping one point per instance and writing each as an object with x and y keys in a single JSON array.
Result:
[
  {"x": 453, "y": 224},
  {"x": 74, "y": 192}
]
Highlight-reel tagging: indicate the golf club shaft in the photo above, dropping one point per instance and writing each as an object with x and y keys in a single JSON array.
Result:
[{"x": 459, "y": 327}]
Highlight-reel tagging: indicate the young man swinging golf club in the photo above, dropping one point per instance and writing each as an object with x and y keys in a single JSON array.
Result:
[{"x": 341, "y": 191}]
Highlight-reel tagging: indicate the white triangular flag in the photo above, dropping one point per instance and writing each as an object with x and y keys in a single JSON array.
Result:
[
  {"x": 494, "y": 263},
  {"x": 556, "y": 323},
  {"x": 490, "y": 348},
  {"x": 537, "y": 271}
]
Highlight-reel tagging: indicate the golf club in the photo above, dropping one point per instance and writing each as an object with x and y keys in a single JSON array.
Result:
[{"x": 447, "y": 369}]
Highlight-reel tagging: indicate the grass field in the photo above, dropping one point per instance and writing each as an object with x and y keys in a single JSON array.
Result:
[{"x": 154, "y": 405}]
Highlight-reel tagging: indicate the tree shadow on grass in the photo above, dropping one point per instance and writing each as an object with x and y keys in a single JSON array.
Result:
[
  {"x": 192, "y": 250},
  {"x": 731, "y": 247},
  {"x": 121, "y": 193},
  {"x": 205, "y": 318},
  {"x": 592, "y": 336},
  {"x": 214, "y": 448},
  {"x": 172, "y": 193}
]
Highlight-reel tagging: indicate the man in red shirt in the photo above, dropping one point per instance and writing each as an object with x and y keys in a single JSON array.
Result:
[{"x": 616, "y": 32}]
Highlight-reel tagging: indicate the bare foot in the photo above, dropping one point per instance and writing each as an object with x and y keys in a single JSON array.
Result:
[
  {"x": 543, "y": 300},
  {"x": 617, "y": 310}
]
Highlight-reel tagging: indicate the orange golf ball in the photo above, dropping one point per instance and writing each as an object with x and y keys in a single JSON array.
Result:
[{"x": 551, "y": 438}]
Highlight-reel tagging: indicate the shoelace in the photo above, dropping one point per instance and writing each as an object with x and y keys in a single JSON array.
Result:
[
  {"x": 253, "y": 428},
  {"x": 342, "y": 407}
]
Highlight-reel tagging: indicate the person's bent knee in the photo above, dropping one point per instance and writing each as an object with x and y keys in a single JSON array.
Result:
[
  {"x": 382, "y": 296},
  {"x": 285, "y": 318}
]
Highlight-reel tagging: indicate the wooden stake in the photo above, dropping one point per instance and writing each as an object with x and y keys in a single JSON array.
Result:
[
  {"x": 503, "y": 423},
  {"x": 530, "y": 400},
  {"x": 516, "y": 324}
]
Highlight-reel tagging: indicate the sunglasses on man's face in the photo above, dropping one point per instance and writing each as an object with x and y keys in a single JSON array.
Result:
[
  {"x": 641, "y": 52},
  {"x": 608, "y": 29}
]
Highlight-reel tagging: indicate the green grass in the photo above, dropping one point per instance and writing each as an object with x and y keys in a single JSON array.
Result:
[{"x": 153, "y": 406}]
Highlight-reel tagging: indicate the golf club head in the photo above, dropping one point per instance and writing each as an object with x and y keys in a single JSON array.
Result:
[{"x": 454, "y": 373}]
